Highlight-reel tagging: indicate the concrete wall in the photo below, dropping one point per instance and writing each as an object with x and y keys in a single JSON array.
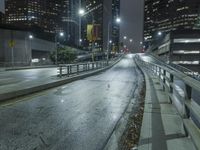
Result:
[{"x": 23, "y": 47}]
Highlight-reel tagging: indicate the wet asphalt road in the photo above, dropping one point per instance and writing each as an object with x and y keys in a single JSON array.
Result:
[{"x": 77, "y": 116}]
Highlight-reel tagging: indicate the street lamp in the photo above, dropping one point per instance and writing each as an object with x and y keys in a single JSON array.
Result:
[
  {"x": 118, "y": 20},
  {"x": 81, "y": 12},
  {"x": 125, "y": 37},
  {"x": 30, "y": 36},
  {"x": 61, "y": 34},
  {"x": 30, "y": 39},
  {"x": 131, "y": 40},
  {"x": 159, "y": 33}
]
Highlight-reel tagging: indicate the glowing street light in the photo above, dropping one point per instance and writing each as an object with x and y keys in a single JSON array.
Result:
[
  {"x": 131, "y": 40},
  {"x": 118, "y": 20},
  {"x": 159, "y": 33},
  {"x": 30, "y": 36},
  {"x": 81, "y": 12},
  {"x": 125, "y": 37},
  {"x": 61, "y": 34}
]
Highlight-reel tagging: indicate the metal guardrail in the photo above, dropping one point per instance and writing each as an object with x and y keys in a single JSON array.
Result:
[
  {"x": 69, "y": 69},
  {"x": 186, "y": 71},
  {"x": 178, "y": 67},
  {"x": 188, "y": 108}
]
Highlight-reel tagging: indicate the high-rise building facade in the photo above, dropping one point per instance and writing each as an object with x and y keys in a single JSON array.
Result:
[
  {"x": 103, "y": 14},
  {"x": 48, "y": 16},
  {"x": 168, "y": 15},
  {"x": 115, "y": 25},
  {"x": 93, "y": 16}
]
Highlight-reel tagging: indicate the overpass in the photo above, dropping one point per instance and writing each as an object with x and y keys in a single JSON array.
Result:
[{"x": 87, "y": 108}]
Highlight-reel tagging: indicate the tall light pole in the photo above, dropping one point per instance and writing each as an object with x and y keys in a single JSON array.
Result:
[
  {"x": 81, "y": 13},
  {"x": 118, "y": 20},
  {"x": 30, "y": 39},
  {"x": 61, "y": 34}
]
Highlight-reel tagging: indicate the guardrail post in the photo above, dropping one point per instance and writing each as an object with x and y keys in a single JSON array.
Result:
[
  {"x": 96, "y": 65},
  {"x": 84, "y": 67},
  {"x": 68, "y": 71},
  {"x": 159, "y": 72},
  {"x": 171, "y": 90},
  {"x": 164, "y": 79},
  {"x": 152, "y": 68},
  {"x": 155, "y": 70},
  {"x": 77, "y": 69},
  {"x": 60, "y": 71},
  {"x": 188, "y": 96},
  {"x": 92, "y": 66}
]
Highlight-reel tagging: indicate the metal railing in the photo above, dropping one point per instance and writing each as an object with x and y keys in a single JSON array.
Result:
[
  {"x": 183, "y": 92},
  {"x": 182, "y": 69},
  {"x": 70, "y": 69}
]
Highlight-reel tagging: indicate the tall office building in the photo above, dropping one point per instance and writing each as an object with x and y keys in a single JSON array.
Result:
[
  {"x": 94, "y": 15},
  {"x": 70, "y": 20},
  {"x": 168, "y": 15},
  {"x": 48, "y": 16},
  {"x": 115, "y": 25},
  {"x": 103, "y": 14}
]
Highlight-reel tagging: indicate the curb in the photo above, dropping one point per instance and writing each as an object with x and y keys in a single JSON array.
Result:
[{"x": 39, "y": 88}]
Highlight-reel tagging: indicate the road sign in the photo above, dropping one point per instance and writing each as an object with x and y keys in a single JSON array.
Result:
[{"x": 11, "y": 43}]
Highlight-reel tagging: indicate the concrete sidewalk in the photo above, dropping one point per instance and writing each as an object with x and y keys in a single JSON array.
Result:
[
  {"x": 162, "y": 127},
  {"x": 26, "y": 67}
]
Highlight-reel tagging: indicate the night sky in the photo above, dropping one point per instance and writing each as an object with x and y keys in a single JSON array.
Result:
[{"x": 132, "y": 23}]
